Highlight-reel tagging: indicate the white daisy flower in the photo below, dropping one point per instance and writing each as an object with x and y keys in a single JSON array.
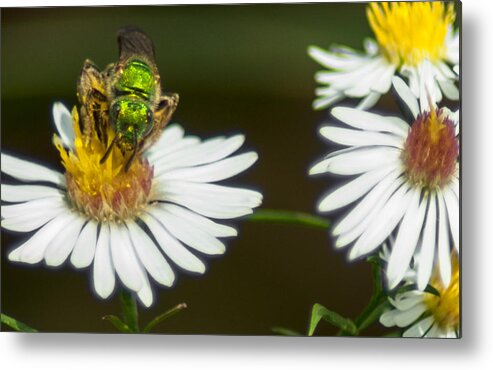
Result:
[
  {"x": 424, "y": 313},
  {"x": 414, "y": 39},
  {"x": 127, "y": 224},
  {"x": 407, "y": 180}
]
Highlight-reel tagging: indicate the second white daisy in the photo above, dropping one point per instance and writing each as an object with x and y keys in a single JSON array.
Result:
[{"x": 407, "y": 180}]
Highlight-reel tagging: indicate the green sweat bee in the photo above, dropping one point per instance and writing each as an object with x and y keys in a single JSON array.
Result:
[{"x": 127, "y": 96}]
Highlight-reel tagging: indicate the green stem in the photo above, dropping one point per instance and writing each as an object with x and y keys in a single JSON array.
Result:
[
  {"x": 289, "y": 217},
  {"x": 129, "y": 308},
  {"x": 377, "y": 303}
]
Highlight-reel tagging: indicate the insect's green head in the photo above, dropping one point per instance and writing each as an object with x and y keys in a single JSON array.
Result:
[
  {"x": 136, "y": 77},
  {"x": 132, "y": 119}
]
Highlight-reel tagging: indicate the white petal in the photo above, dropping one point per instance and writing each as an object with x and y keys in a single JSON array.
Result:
[
  {"x": 327, "y": 100},
  {"x": 124, "y": 258},
  {"x": 64, "y": 124},
  {"x": 426, "y": 255},
  {"x": 382, "y": 224},
  {"x": 209, "y": 209},
  {"x": 222, "y": 195},
  {"x": 367, "y": 204},
  {"x": 145, "y": 293},
  {"x": 369, "y": 101},
  {"x": 30, "y": 218},
  {"x": 32, "y": 206},
  {"x": 150, "y": 256},
  {"x": 443, "y": 243},
  {"x": 172, "y": 134},
  {"x": 32, "y": 251},
  {"x": 209, "y": 151},
  {"x": 452, "y": 203},
  {"x": 103, "y": 269},
  {"x": 449, "y": 89},
  {"x": 200, "y": 222},
  {"x": 406, "y": 240},
  {"x": 191, "y": 236},
  {"x": 428, "y": 88},
  {"x": 406, "y": 318},
  {"x": 353, "y": 190},
  {"x": 24, "y": 193},
  {"x": 29, "y": 171},
  {"x": 351, "y": 137},
  {"x": 360, "y": 160},
  {"x": 352, "y": 234},
  {"x": 217, "y": 171},
  {"x": 419, "y": 329},
  {"x": 172, "y": 247},
  {"x": 85, "y": 247},
  {"x": 369, "y": 121},
  {"x": 332, "y": 60},
  {"x": 387, "y": 319},
  {"x": 407, "y": 300},
  {"x": 62, "y": 244},
  {"x": 155, "y": 153},
  {"x": 433, "y": 332},
  {"x": 406, "y": 95}
]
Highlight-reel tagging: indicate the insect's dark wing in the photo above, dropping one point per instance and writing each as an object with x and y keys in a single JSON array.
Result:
[{"x": 133, "y": 41}]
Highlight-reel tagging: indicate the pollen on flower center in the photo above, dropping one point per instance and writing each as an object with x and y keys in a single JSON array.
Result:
[
  {"x": 409, "y": 32},
  {"x": 445, "y": 307},
  {"x": 104, "y": 191},
  {"x": 431, "y": 150}
]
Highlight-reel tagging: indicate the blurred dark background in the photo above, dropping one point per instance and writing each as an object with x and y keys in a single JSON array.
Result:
[{"x": 237, "y": 68}]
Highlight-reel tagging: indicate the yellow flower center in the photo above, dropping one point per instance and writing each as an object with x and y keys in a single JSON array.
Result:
[
  {"x": 103, "y": 191},
  {"x": 445, "y": 307},
  {"x": 412, "y": 31}
]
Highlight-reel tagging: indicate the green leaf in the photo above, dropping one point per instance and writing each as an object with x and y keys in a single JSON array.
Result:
[
  {"x": 289, "y": 217},
  {"x": 285, "y": 331},
  {"x": 164, "y": 316},
  {"x": 16, "y": 325},
  {"x": 118, "y": 323},
  {"x": 319, "y": 312}
]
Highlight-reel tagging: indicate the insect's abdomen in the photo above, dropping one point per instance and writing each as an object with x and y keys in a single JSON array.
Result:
[{"x": 136, "y": 78}]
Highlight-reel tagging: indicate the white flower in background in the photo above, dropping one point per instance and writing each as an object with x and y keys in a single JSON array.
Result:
[
  {"x": 414, "y": 39},
  {"x": 407, "y": 181},
  {"x": 128, "y": 224},
  {"x": 424, "y": 313}
]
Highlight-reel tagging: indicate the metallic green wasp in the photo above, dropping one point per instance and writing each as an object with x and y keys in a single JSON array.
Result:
[{"x": 126, "y": 96}]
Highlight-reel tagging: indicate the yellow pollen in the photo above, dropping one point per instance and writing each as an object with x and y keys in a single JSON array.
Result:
[
  {"x": 445, "y": 307},
  {"x": 409, "y": 32},
  {"x": 103, "y": 190}
]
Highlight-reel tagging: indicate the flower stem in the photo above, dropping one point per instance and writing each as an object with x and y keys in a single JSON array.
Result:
[
  {"x": 129, "y": 310},
  {"x": 375, "y": 307},
  {"x": 289, "y": 217}
]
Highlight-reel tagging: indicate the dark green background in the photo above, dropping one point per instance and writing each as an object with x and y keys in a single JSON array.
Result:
[{"x": 240, "y": 68}]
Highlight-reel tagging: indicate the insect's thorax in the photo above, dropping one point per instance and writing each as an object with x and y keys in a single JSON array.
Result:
[{"x": 135, "y": 77}]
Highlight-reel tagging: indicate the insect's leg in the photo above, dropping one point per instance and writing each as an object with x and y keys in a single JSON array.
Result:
[
  {"x": 134, "y": 152},
  {"x": 165, "y": 109},
  {"x": 108, "y": 151},
  {"x": 93, "y": 99}
]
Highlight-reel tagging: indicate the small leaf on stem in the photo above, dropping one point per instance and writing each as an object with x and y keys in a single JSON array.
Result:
[
  {"x": 320, "y": 312},
  {"x": 164, "y": 316}
]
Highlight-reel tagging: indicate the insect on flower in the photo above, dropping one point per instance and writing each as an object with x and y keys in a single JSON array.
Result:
[{"x": 127, "y": 96}]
